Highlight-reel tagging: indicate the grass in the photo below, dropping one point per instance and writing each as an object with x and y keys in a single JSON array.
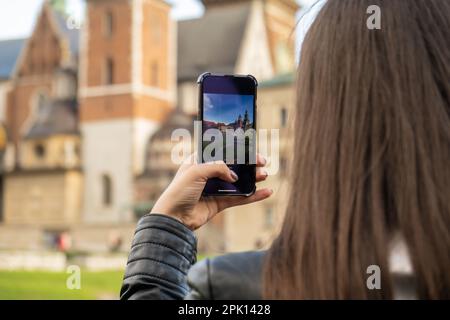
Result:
[
  {"x": 47, "y": 285},
  {"x": 33, "y": 285}
]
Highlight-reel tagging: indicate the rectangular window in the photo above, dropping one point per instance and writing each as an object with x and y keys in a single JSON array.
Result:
[
  {"x": 109, "y": 24},
  {"x": 283, "y": 117},
  {"x": 109, "y": 71},
  {"x": 156, "y": 27},
  {"x": 107, "y": 190},
  {"x": 283, "y": 166}
]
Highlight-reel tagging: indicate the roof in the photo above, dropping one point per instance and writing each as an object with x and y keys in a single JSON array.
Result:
[
  {"x": 10, "y": 49},
  {"x": 60, "y": 117},
  {"x": 9, "y": 53},
  {"x": 279, "y": 80},
  {"x": 209, "y": 3},
  {"x": 176, "y": 120},
  {"x": 200, "y": 41}
]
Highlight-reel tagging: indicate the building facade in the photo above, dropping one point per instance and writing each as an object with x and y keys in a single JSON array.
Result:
[{"x": 87, "y": 115}]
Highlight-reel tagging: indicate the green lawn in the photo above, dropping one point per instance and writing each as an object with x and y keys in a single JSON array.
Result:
[
  {"x": 46, "y": 285},
  {"x": 52, "y": 285}
]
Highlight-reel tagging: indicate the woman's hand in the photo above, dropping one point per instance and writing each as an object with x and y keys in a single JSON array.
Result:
[{"x": 182, "y": 199}]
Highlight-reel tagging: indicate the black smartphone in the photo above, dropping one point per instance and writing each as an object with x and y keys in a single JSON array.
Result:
[{"x": 227, "y": 111}]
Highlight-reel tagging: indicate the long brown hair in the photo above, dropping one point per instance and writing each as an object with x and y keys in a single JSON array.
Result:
[{"x": 372, "y": 154}]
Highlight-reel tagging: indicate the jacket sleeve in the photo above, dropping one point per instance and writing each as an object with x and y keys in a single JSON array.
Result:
[
  {"x": 199, "y": 281},
  {"x": 162, "y": 252}
]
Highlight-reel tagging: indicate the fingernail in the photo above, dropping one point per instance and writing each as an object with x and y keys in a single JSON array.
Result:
[
  {"x": 234, "y": 176},
  {"x": 265, "y": 173},
  {"x": 264, "y": 161}
]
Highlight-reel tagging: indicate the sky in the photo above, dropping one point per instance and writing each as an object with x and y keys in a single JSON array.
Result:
[
  {"x": 17, "y": 17},
  {"x": 227, "y": 107}
]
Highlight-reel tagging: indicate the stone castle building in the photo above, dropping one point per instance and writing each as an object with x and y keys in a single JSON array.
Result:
[{"x": 87, "y": 115}]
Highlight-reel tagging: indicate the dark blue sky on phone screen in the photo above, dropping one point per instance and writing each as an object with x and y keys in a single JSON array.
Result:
[{"x": 226, "y": 108}]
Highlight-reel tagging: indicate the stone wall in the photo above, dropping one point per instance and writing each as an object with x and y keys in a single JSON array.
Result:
[
  {"x": 56, "y": 261},
  {"x": 32, "y": 260},
  {"x": 20, "y": 237}
]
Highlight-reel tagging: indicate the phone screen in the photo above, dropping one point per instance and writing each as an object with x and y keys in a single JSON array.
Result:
[{"x": 228, "y": 115}]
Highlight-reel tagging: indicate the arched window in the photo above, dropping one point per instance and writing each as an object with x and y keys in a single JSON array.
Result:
[
  {"x": 109, "y": 71},
  {"x": 109, "y": 24},
  {"x": 107, "y": 197}
]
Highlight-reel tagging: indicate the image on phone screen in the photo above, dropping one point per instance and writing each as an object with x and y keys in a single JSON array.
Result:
[{"x": 228, "y": 131}]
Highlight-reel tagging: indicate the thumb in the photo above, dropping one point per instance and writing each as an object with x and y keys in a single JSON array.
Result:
[{"x": 217, "y": 169}]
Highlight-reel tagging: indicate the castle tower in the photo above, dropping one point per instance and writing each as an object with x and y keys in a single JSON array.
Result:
[
  {"x": 246, "y": 120},
  {"x": 239, "y": 122},
  {"x": 127, "y": 88}
]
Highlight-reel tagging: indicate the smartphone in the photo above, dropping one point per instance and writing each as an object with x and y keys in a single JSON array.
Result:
[{"x": 227, "y": 111}]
